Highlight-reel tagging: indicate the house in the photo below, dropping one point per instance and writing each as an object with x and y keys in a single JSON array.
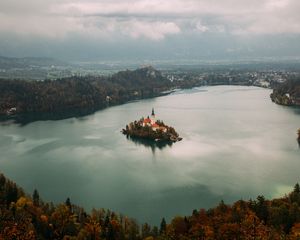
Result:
[{"x": 11, "y": 111}]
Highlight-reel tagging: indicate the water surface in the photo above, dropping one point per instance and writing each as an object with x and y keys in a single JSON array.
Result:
[{"x": 236, "y": 144}]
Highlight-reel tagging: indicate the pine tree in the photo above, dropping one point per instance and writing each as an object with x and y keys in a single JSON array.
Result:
[
  {"x": 163, "y": 226},
  {"x": 36, "y": 198},
  {"x": 69, "y": 204},
  {"x": 295, "y": 195},
  {"x": 297, "y": 188}
]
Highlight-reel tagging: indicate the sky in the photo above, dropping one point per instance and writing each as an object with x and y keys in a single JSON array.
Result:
[{"x": 150, "y": 29}]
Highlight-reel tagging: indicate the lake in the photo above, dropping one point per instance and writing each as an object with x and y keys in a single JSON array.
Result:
[{"x": 236, "y": 144}]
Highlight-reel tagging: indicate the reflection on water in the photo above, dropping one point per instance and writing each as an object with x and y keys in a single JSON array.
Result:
[
  {"x": 237, "y": 144},
  {"x": 150, "y": 143},
  {"x": 27, "y": 118}
]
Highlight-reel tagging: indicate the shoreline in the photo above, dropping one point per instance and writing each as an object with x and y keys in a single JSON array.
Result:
[{"x": 26, "y": 118}]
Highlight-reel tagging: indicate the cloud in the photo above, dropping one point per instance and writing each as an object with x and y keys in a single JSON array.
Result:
[
  {"x": 121, "y": 21},
  {"x": 151, "y": 30},
  {"x": 200, "y": 27},
  {"x": 149, "y": 19}
]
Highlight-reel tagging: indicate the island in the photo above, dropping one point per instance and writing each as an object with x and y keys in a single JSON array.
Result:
[{"x": 151, "y": 129}]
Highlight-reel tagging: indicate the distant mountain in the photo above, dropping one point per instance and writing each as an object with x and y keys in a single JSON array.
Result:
[{"x": 9, "y": 62}]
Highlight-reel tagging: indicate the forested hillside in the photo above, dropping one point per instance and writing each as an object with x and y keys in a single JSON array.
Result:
[
  {"x": 79, "y": 94},
  {"x": 287, "y": 93},
  {"x": 23, "y": 217}
]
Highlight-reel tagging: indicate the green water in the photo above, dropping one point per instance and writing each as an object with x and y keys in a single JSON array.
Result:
[{"x": 236, "y": 144}]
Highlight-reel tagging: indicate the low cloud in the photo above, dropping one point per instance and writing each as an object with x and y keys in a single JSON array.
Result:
[
  {"x": 129, "y": 21},
  {"x": 153, "y": 19},
  {"x": 151, "y": 30}
]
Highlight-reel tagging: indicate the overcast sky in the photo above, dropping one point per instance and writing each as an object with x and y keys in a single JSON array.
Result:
[{"x": 145, "y": 29}]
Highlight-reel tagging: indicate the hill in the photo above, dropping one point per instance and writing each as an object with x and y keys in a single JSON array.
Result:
[{"x": 76, "y": 95}]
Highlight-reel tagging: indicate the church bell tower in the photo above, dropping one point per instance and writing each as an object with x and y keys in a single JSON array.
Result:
[{"x": 153, "y": 117}]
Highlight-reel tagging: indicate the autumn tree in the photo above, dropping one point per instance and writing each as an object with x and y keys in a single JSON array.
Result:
[
  {"x": 63, "y": 221},
  {"x": 146, "y": 230},
  {"x": 93, "y": 229}
]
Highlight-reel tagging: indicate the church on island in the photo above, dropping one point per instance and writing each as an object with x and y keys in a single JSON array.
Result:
[
  {"x": 152, "y": 129},
  {"x": 151, "y": 122}
]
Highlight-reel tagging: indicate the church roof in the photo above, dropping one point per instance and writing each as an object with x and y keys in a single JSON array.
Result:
[{"x": 147, "y": 120}]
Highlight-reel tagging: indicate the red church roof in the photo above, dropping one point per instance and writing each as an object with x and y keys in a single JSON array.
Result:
[{"x": 147, "y": 120}]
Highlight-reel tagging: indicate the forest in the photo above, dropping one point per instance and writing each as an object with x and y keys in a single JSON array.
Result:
[
  {"x": 287, "y": 93},
  {"x": 24, "y": 217},
  {"x": 79, "y": 94}
]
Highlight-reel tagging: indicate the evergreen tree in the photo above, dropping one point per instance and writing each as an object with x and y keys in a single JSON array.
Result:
[
  {"x": 11, "y": 193},
  {"x": 296, "y": 188},
  {"x": 261, "y": 208},
  {"x": 295, "y": 195},
  {"x": 146, "y": 230},
  {"x": 163, "y": 226},
  {"x": 36, "y": 198},
  {"x": 2, "y": 182},
  {"x": 106, "y": 222},
  {"x": 69, "y": 204},
  {"x": 110, "y": 232}
]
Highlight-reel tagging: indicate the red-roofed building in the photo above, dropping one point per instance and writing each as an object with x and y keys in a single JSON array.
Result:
[
  {"x": 151, "y": 122},
  {"x": 155, "y": 126},
  {"x": 147, "y": 122}
]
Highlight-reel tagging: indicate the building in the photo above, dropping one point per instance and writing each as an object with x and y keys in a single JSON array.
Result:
[
  {"x": 155, "y": 127},
  {"x": 147, "y": 122},
  {"x": 151, "y": 122}
]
